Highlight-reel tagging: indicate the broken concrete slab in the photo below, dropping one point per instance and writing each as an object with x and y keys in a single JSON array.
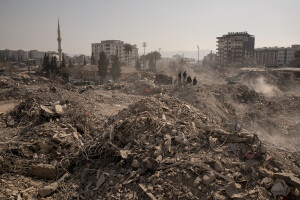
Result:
[
  {"x": 232, "y": 191},
  {"x": 208, "y": 178},
  {"x": 218, "y": 166},
  {"x": 58, "y": 109},
  {"x": 46, "y": 171},
  {"x": 48, "y": 190},
  {"x": 289, "y": 178}
]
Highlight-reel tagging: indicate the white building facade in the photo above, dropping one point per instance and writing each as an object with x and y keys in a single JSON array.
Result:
[
  {"x": 115, "y": 47},
  {"x": 275, "y": 56}
]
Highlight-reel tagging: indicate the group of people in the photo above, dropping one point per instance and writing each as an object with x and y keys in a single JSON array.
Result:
[{"x": 186, "y": 79}]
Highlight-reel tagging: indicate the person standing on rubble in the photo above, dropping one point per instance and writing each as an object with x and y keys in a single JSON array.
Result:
[
  {"x": 189, "y": 80},
  {"x": 179, "y": 77},
  {"x": 184, "y": 76},
  {"x": 195, "y": 81}
]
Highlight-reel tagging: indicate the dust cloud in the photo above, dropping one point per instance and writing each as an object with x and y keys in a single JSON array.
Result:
[{"x": 260, "y": 85}]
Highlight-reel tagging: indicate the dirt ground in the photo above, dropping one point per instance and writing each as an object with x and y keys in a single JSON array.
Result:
[{"x": 141, "y": 139}]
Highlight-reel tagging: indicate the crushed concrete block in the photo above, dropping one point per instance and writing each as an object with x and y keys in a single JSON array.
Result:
[
  {"x": 233, "y": 192},
  {"x": 289, "y": 178},
  {"x": 218, "y": 166},
  {"x": 43, "y": 171},
  {"x": 58, "y": 109},
  {"x": 208, "y": 178},
  {"x": 135, "y": 164},
  {"x": 47, "y": 190}
]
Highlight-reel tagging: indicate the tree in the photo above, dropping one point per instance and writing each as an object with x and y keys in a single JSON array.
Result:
[
  {"x": 70, "y": 63},
  {"x": 53, "y": 64},
  {"x": 63, "y": 62},
  {"x": 30, "y": 55},
  {"x": 153, "y": 57},
  {"x": 138, "y": 65},
  {"x": 93, "y": 60},
  {"x": 115, "y": 70},
  {"x": 65, "y": 70},
  {"x": 102, "y": 65},
  {"x": 156, "y": 56},
  {"x": 46, "y": 65},
  {"x": 84, "y": 61},
  {"x": 127, "y": 48},
  {"x": 144, "y": 58}
]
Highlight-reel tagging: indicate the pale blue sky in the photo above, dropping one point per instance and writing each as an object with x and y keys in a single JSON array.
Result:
[{"x": 167, "y": 24}]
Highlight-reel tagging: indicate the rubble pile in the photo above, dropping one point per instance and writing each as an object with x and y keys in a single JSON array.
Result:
[
  {"x": 163, "y": 79},
  {"x": 6, "y": 82},
  {"x": 42, "y": 138},
  {"x": 139, "y": 76},
  {"x": 141, "y": 139},
  {"x": 162, "y": 148},
  {"x": 142, "y": 87}
]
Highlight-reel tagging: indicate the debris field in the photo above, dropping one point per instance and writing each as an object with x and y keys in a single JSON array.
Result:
[{"x": 144, "y": 138}]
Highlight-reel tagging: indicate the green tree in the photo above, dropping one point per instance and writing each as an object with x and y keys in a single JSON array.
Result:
[
  {"x": 53, "y": 65},
  {"x": 138, "y": 65},
  {"x": 30, "y": 55},
  {"x": 65, "y": 70},
  {"x": 156, "y": 56},
  {"x": 84, "y": 61},
  {"x": 93, "y": 60},
  {"x": 63, "y": 62},
  {"x": 144, "y": 58},
  {"x": 103, "y": 65},
  {"x": 152, "y": 58},
  {"x": 115, "y": 70},
  {"x": 46, "y": 65},
  {"x": 127, "y": 48},
  {"x": 70, "y": 63}
]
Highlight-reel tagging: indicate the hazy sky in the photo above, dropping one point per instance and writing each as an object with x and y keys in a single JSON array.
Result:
[{"x": 167, "y": 24}]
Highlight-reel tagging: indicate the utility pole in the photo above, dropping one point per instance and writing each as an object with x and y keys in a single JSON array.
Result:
[
  {"x": 198, "y": 55},
  {"x": 159, "y": 50},
  {"x": 144, "y": 45}
]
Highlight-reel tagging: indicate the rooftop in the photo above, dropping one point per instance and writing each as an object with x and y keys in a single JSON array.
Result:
[{"x": 237, "y": 34}]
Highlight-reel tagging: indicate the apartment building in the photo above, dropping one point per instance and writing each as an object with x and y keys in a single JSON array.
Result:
[
  {"x": 115, "y": 47},
  {"x": 235, "y": 49},
  {"x": 275, "y": 56}
]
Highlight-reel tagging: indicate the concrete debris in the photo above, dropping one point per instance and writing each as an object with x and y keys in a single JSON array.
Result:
[
  {"x": 208, "y": 178},
  {"x": 135, "y": 164},
  {"x": 263, "y": 194},
  {"x": 233, "y": 192},
  {"x": 58, "y": 109},
  {"x": 289, "y": 178},
  {"x": 100, "y": 181},
  {"x": 143, "y": 137},
  {"x": 43, "y": 171},
  {"x": 48, "y": 190},
  {"x": 280, "y": 188},
  {"x": 218, "y": 166}
]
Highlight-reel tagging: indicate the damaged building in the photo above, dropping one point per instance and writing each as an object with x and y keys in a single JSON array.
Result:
[{"x": 235, "y": 49}]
